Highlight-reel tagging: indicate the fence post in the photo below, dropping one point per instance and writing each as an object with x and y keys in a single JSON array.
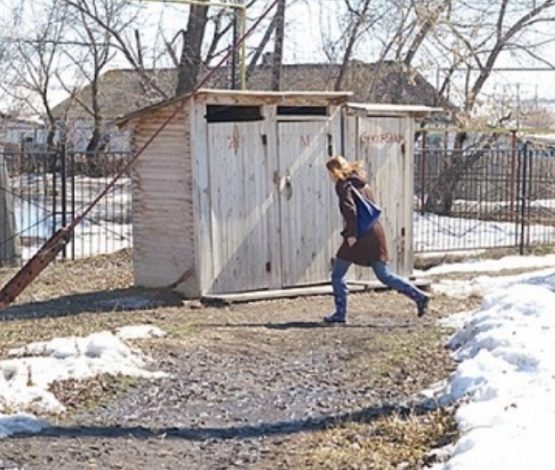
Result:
[
  {"x": 529, "y": 195},
  {"x": 54, "y": 155},
  {"x": 523, "y": 199},
  {"x": 72, "y": 171},
  {"x": 63, "y": 192},
  {"x": 10, "y": 249},
  {"x": 423, "y": 173},
  {"x": 512, "y": 182}
]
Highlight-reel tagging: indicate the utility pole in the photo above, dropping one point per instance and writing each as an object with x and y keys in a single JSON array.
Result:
[{"x": 278, "y": 46}]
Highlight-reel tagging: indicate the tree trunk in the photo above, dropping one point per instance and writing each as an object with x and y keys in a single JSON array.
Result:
[
  {"x": 442, "y": 192},
  {"x": 96, "y": 142},
  {"x": 278, "y": 46},
  {"x": 191, "y": 60},
  {"x": 260, "y": 49},
  {"x": 351, "y": 45}
]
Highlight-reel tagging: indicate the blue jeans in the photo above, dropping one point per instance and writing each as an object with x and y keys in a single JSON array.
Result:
[{"x": 382, "y": 272}]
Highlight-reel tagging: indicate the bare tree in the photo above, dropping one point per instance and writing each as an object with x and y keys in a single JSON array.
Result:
[
  {"x": 191, "y": 59},
  {"x": 278, "y": 46},
  {"x": 476, "y": 40},
  {"x": 34, "y": 61},
  {"x": 126, "y": 44},
  {"x": 395, "y": 30},
  {"x": 91, "y": 59},
  {"x": 360, "y": 18}
]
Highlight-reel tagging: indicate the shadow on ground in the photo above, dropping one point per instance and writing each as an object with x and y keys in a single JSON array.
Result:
[
  {"x": 132, "y": 298},
  {"x": 264, "y": 429},
  {"x": 306, "y": 325}
]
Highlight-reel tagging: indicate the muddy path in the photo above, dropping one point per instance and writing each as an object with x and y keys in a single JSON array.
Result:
[{"x": 251, "y": 385}]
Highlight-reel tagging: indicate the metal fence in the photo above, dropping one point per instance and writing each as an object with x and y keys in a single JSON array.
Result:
[
  {"x": 44, "y": 191},
  {"x": 472, "y": 200},
  {"x": 463, "y": 201}
]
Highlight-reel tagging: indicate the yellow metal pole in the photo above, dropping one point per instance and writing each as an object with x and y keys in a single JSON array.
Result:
[{"x": 243, "y": 11}]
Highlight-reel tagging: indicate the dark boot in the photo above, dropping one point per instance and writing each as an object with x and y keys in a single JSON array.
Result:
[
  {"x": 340, "y": 315},
  {"x": 335, "y": 318},
  {"x": 422, "y": 304}
]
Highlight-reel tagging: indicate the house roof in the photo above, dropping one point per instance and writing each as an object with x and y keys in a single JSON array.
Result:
[
  {"x": 125, "y": 91},
  {"x": 15, "y": 120},
  {"x": 392, "y": 109}
]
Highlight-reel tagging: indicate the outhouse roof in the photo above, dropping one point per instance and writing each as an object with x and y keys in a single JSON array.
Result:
[
  {"x": 290, "y": 98},
  {"x": 391, "y": 109}
]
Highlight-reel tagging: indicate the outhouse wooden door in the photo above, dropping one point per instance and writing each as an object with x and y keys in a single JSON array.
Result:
[
  {"x": 383, "y": 143},
  {"x": 242, "y": 206},
  {"x": 306, "y": 215}
]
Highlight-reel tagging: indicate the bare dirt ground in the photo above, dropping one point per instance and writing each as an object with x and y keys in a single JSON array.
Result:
[{"x": 258, "y": 385}]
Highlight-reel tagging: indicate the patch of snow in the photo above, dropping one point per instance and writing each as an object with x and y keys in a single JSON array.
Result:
[
  {"x": 481, "y": 284},
  {"x": 505, "y": 379},
  {"x": 493, "y": 265},
  {"x": 140, "y": 332},
  {"x": 20, "y": 423},
  {"x": 439, "y": 233},
  {"x": 435, "y": 254},
  {"x": 89, "y": 239},
  {"x": 456, "y": 320},
  {"x": 29, "y": 371}
]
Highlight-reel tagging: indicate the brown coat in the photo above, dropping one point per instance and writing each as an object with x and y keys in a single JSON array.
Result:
[{"x": 372, "y": 246}]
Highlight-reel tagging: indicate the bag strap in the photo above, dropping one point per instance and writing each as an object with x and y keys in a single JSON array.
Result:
[{"x": 354, "y": 190}]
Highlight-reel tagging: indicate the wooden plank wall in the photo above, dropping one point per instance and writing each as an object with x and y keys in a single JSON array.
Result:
[
  {"x": 310, "y": 221},
  {"x": 241, "y": 203},
  {"x": 304, "y": 202},
  {"x": 163, "y": 230},
  {"x": 381, "y": 142},
  {"x": 406, "y": 255}
]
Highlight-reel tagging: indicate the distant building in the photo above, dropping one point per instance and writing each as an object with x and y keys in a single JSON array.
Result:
[
  {"x": 123, "y": 91},
  {"x": 15, "y": 132}
]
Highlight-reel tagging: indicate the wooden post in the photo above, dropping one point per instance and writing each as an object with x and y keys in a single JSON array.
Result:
[{"x": 10, "y": 252}]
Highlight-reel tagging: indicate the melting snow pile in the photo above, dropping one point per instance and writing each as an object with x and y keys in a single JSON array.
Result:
[
  {"x": 505, "y": 380},
  {"x": 492, "y": 265},
  {"x": 27, "y": 374}
]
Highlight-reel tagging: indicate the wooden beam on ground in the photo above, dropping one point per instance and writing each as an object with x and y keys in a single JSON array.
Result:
[{"x": 254, "y": 296}]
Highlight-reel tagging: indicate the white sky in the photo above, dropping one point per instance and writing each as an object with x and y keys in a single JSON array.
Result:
[{"x": 308, "y": 21}]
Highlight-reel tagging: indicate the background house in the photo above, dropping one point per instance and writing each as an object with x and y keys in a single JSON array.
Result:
[
  {"x": 15, "y": 132},
  {"x": 126, "y": 90}
]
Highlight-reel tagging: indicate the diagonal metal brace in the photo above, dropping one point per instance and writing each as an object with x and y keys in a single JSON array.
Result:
[
  {"x": 34, "y": 266},
  {"x": 59, "y": 240}
]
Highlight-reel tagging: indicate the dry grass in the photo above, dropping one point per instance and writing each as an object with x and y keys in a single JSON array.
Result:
[
  {"x": 390, "y": 352},
  {"x": 78, "y": 395},
  {"x": 397, "y": 365},
  {"x": 97, "y": 273},
  {"x": 67, "y": 314},
  {"x": 390, "y": 442}
]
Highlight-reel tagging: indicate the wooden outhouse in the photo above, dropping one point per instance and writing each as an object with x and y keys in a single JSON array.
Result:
[{"x": 233, "y": 196}]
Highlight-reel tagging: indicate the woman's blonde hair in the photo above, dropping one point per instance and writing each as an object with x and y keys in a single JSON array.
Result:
[{"x": 342, "y": 169}]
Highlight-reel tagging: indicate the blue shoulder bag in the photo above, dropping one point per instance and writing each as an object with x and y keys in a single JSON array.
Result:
[{"x": 367, "y": 212}]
